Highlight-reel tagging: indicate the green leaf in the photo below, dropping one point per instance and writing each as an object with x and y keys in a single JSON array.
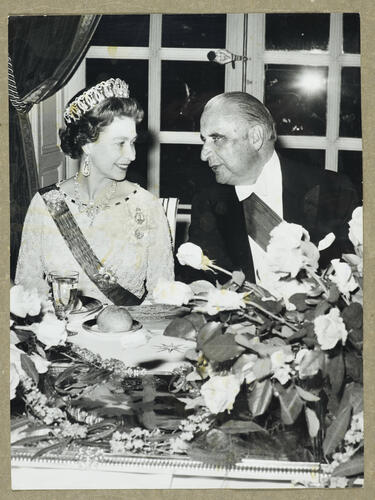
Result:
[
  {"x": 262, "y": 368},
  {"x": 354, "y": 366},
  {"x": 299, "y": 300},
  {"x": 322, "y": 308},
  {"x": 353, "y": 316},
  {"x": 241, "y": 426},
  {"x": 336, "y": 431},
  {"x": 290, "y": 402},
  {"x": 29, "y": 367},
  {"x": 207, "y": 331},
  {"x": 313, "y": 423},
  {"x": 307, "y": 396},
  {"x": 356, "y": 397},
  {"x": 336, "y": 371},
  {"x": 333, "y": 294},
  {"x": 197, "y": 319},
  {"x": 221, "y": 347},
  {"x": 352, "y": 467},
  {"x": 286, "y": 332},
  {"x": 181, "y": 328},
  {"x": 260, "y": 397}
]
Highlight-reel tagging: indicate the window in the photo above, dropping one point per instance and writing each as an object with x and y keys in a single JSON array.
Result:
[
  {"x": 305, "y": 67},
  {"x": 312, "y": 86}
]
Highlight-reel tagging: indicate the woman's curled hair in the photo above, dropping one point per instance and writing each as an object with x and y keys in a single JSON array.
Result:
[{"x": 88, "y": 127}]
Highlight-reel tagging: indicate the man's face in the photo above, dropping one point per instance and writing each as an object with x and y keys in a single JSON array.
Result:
[{"x": 227, "y": 147}]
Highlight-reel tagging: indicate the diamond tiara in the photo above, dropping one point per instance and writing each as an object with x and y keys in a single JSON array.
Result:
[{"x": 86, "y": 101}]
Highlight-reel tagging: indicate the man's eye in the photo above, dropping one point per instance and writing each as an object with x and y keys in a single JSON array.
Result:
[{"x": 217, "y": 138}]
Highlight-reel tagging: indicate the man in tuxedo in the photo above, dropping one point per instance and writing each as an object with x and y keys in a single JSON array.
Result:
[{"x": 238, "y": 134}]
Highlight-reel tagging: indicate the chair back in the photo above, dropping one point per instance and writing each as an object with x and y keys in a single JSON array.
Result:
[{"x": 170, "y": 206}]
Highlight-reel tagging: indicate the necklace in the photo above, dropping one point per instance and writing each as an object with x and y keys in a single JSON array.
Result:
[{"x": 92, "y": 209}]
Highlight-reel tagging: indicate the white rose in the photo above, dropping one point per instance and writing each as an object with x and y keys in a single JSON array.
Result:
[
  {"x": 15, "y": 358},
  {"x": 24, "y": 302},
  {"x": 288, "y": 235},
  {"x": 290, "y": 250},
  {"x": 222, "y": 300},
  {"x": 41, "y": 364},
  {"x": 356, "y": 227},
  {"x": 220, "y": 392},
  {"x": 172, "y": 292},
  {"x": 14, "y": 380},
  {"x": 191, "y": 255},
  {"x": 279, "y": 360},
  {"x": 285, "y": 289},
  {"x": 343, "y": 277},
  {"x": 329, "y": 329},
  {"x": 51, "y": 331}
]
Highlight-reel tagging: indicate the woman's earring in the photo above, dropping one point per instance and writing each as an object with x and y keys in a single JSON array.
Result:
[{"x": 86, "y": 166}]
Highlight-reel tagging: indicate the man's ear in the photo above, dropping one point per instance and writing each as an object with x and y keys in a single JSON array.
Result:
[{"x": 256, "y": 136}]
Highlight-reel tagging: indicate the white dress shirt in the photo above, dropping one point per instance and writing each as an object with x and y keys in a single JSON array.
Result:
[{"x": 269, "y": 188}]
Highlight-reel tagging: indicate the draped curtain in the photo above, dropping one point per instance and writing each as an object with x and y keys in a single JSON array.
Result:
[{"x": 44, "y": 53}]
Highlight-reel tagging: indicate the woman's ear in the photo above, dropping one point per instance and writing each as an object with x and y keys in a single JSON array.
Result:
[{"x": 256, "y": 136}]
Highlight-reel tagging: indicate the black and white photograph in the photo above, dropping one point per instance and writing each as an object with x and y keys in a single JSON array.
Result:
[{"x": 186, "y": 251}]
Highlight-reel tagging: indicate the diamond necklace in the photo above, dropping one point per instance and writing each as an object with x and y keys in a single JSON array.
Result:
[{"x": 90, "y": 209}]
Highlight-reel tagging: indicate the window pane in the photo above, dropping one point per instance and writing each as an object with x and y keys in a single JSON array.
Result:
[
  {"x": 135, "y": 73},
  {"x": 297, "y": 98},
  {"x": 196, "y": 31},
  {"x": 297, "y": 31},
  {"x": 122, "y": 31},
  {"x": 186, "y": 87},
  {"x": 313, "y": 157},
  {"x": 350, "y": 113},
  {"x": 350, "y": 163},
  {"x": 182, "y": 173},
  {"x": 351, "y": 33}
]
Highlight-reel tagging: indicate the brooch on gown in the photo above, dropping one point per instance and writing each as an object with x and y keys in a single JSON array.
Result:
[
  {"x": 139, "y": 219},
  {"x": 55, "y": 201},
  {"x": 106, "y": 276}
]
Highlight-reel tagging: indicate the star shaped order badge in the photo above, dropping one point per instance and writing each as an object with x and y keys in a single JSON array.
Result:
[{"x": 170, "y": 348}]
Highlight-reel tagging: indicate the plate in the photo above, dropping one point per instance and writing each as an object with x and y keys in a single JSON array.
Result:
[
  {"x": 91, "y": 326},
  {"x": 89, "y": 305}
]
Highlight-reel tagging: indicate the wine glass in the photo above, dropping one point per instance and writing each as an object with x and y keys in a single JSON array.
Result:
[{"x": 64, "y": 292}]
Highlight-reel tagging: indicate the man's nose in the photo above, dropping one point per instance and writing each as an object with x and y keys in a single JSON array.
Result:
[{"x": 205, "y": 152}]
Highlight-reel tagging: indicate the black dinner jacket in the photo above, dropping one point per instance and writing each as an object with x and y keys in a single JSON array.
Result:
[{"x": 321, "y": 201}]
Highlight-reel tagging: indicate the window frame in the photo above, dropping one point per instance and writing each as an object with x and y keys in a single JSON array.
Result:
[{"x": 245, "y": 34}]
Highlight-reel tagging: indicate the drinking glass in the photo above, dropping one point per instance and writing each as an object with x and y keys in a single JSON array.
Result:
[{"x": 64, "y": 292}]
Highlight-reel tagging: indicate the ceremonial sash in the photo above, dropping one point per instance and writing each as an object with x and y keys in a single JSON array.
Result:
[{"x": 81, "y": 250}]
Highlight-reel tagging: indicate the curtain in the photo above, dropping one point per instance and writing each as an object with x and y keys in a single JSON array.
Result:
[{"x": 44, "y": 52}]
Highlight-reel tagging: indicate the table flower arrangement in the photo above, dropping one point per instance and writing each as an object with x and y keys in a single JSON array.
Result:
[
  {"x": 273, "y": 370},
  {"x": 289, "y": 357}
]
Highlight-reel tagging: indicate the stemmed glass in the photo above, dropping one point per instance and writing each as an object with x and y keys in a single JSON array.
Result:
[{"x": 64, "y": 292}]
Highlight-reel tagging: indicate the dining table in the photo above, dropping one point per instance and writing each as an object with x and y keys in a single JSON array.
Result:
[{"x": 91, "y": 469}]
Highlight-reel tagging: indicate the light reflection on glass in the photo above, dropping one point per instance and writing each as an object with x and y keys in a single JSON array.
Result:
[
  {"x": 311, "y": 81},
  {"x": 289, "y": 95}
]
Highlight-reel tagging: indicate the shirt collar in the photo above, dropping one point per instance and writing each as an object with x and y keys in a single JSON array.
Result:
[{"x": 265, "y": 180}]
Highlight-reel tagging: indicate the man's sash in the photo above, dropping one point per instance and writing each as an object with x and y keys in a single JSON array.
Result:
[
  {"x": 82, "y": 251},
  {"x": 260, "y": 219}
]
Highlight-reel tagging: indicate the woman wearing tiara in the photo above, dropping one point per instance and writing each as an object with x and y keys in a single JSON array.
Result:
[{"x": 98, "y": 223}]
